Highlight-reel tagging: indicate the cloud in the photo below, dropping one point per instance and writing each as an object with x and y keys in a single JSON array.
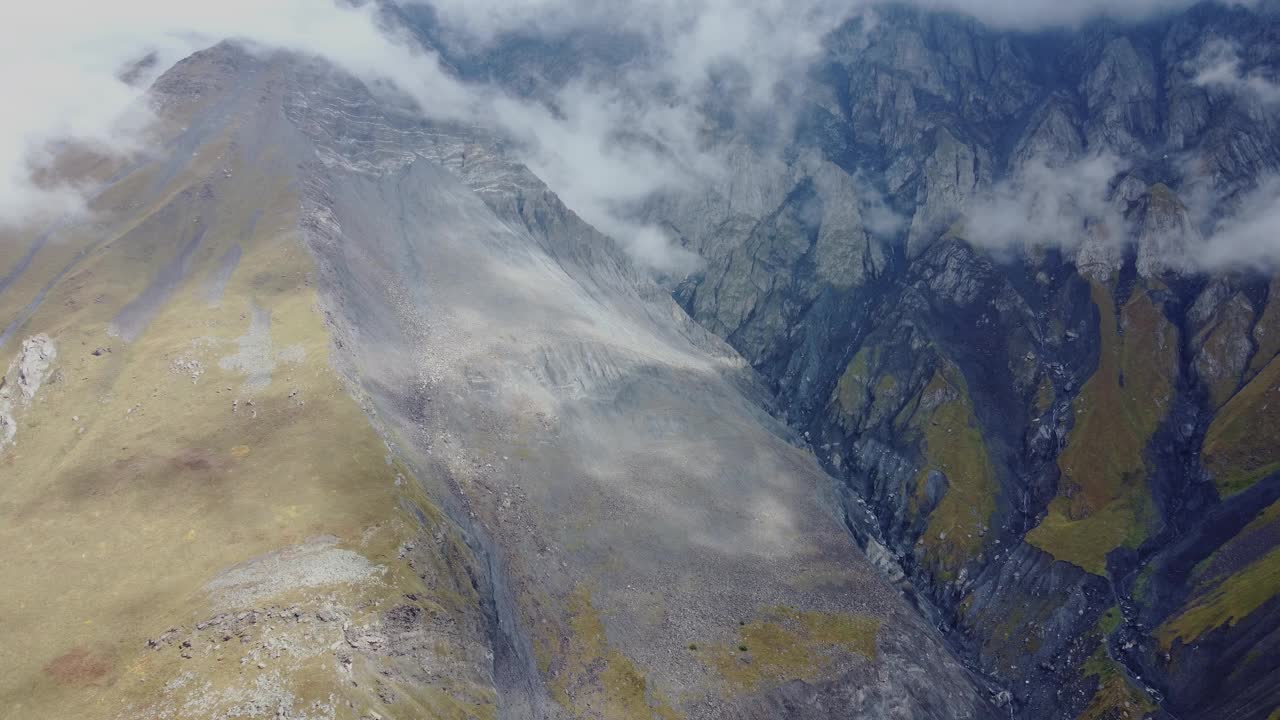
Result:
[
  {"x": 716, "y": 28},
  {"x": 880, "y": 219},
  {"x": 1045, "y": 205},
  {"x": 602, "y": 147},
  {"x": 64, "y": 61},
  {"x": 602, "y": 141},
  {"x": 1249, "y": 236},
  {"x": 1218, "y": 66},
  {"x": 602, "y": 152},
  {"x": 68, "y": 56},
  {"x": 1056, "y": 205},
  {"x": 687, "y": 43},
  {"x": 1031, "y": 15}
]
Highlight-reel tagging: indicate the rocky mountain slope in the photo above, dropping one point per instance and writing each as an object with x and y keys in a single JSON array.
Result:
[
  {"x": 1056, "y": 424},
  {"x": 330, "y": 412},
  {"x": 333, "y": 412},
  {"x": 1060, "y": 434}
]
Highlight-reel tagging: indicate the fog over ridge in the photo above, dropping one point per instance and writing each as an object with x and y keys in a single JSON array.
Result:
[{"x": 602, "y": 147}]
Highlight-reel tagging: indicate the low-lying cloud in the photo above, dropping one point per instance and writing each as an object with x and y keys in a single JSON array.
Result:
[
  {"x": 1045, "y": 205},
  {"x": 603, "y": 143},
  {"x": 1219, "y": 67},
  {"x": 1249, "y": 236},
  {"x": 1055, "y": 206},
  {"x": 1031, "y": 15},
  {"x": 66, "y": 64}
]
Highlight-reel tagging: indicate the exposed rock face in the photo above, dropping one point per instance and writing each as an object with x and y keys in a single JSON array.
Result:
[
  {"x": 1045, "y": 441},
  {"x": 575, "y": 496},
  {"x": 952, "y": 172},
  {"x": 1168, "y": 241},
  {"x": 550, "y": 381},
  {"x": 8, "y": 425},
  {"x": 22, "y": 381},
  {"x": 528, "y": 486},
  {"x": 34, "y": 357},
  {"x": 1049, "y": 567}
]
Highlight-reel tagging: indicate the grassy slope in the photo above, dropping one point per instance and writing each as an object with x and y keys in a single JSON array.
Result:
[
  {"x": 950, "y": 442},
  {"x": 1226, "y": 595},
  {"x": 591, "y": 678},
  {"x": 1115, "y": 697},
  {"x": 131, "y": 486},
  {"x": 953, "y": 444},
  {"x": 1243, "y": 443},
  {"x": 783, "y": 644},
  {"x": 1103, "y": 501}
]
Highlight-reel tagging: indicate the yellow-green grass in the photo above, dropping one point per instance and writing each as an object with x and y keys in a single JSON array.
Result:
[
  {"x": 1242, "y": 445},
  {"x": 1225, "y": 600},
  {"x": 865, "y": 394},
  {"x": 589, "y": 677},
  {"x": 1115, "y": 698},
  {"x": 1103, "y": 501},
  {"x": 1109, "y": 621},
  {"x": 131, "y": 486},
  {"x": 1044, "y": 396},
  {"x": 952, "y": 443},
  {"x": 783, "y": 644},
  {"x": 1142, "y": 585},
  {"x": 1232, "y": 600},
  {"x": 855, "y": 383}
]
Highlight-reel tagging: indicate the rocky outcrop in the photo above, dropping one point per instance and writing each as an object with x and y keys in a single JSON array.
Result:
[
  {"x": 8, "y": 425},
  {"x": 950, "y": 377},
  {"x": 28, "y": 371},
  {"x": 35, "y": 356},
  {"x": 1060, "y": 449},
  {"x": 590, "y": 389},
  {"x": 448, "y": 452},
  {"x": 1168, "y": 241}
]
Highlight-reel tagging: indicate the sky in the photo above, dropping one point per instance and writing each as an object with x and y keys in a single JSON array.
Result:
[{"x": 63, "y": 59}]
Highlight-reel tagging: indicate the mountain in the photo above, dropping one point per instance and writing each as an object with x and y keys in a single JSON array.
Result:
[
  {"x": 1063, "y": 444},
  {"x": 1058, "y": 435},
  {"x": 329, "y": 410}
]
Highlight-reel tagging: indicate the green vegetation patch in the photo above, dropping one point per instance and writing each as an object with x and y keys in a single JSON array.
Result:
[
  {"x": 952, "y": 444},
  {"x": 1110, "y": 621},
  {"x": 1044, "y": 396},
  {"x": 1232, "y": 600},
  {"x": 1116, "y": 698},
  {"x": 1103, "y": 501},
  {"x": 589, "y": 678},
  {"x": 784, "y": 644},
  {"x": 866, "y": 394},
  {"x": 853, "y": 390},
  {"x": 1243, "y": 442},
  {"x": 1225, "y": 600},
  {"x": 1142, "y": 586}
]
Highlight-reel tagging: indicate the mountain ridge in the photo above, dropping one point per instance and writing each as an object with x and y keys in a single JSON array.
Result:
[
  {"x": 854, "y": 324},
  {"x": 435, "y": 430},
  {"x": 509, "y": 474}
]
